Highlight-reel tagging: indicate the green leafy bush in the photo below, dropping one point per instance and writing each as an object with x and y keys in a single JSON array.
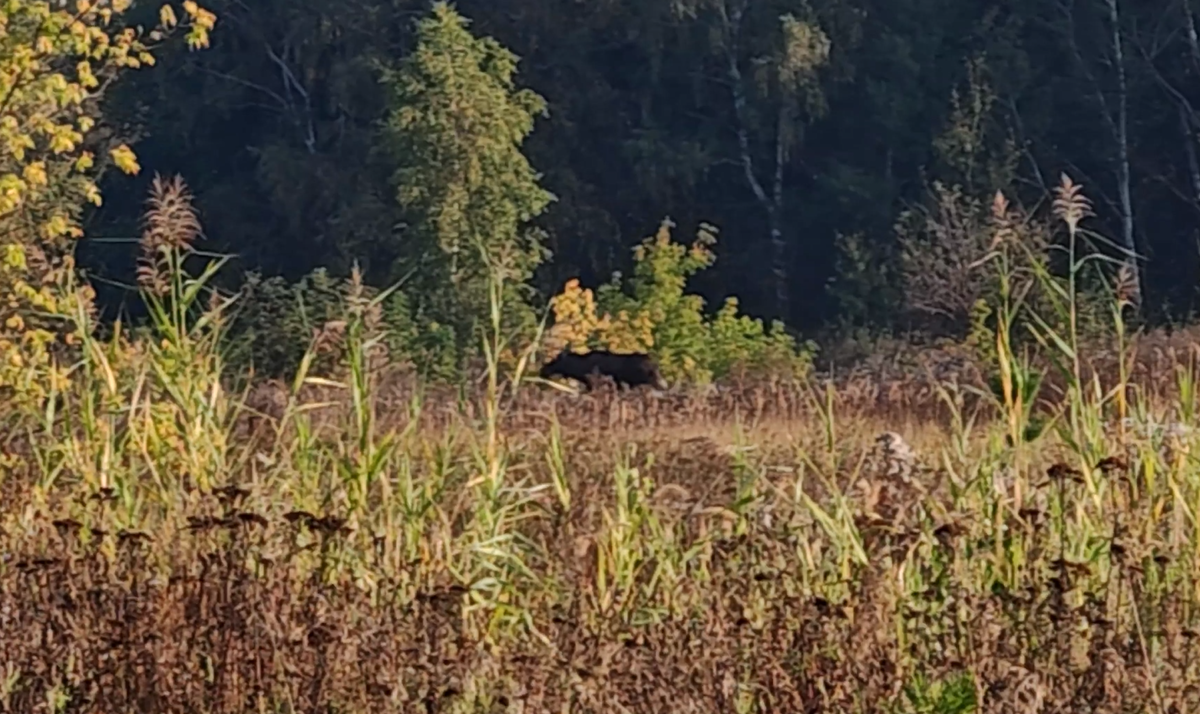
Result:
[
  {"x": 654, "y": 313},
  {"x": 276, "y": 321},
  {"x": 434, "y": 348}
]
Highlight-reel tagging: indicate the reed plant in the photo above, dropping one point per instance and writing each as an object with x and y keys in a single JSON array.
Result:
[{"x": 363, "y": 543}]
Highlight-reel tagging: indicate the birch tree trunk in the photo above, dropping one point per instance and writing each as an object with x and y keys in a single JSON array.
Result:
[
  {"x": 772, "y": 204},
  {"x": 1115, "y": 115},
  {"x": 1121, "y": 131}
]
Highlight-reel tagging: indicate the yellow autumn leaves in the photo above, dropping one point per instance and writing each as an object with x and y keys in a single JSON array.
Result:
[
  {"x": 578, "y": 327},
  {"x": 26, "y": 367},
  {"x": 44, "y": 120},
  {"x": 125, "y": 159},
  {"x": 655, "y": 313},
  {"x": 631, "y": 324},
  {"x": 35, "y": 173},
  {"x": 202, "y": 21},
  {"x": 55, "y": 56}
]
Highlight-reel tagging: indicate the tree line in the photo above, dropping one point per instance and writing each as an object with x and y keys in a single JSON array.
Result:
[{"x": 839, "y": 146}]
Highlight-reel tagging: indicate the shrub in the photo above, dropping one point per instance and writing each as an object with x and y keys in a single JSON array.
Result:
[
  {"x": 740, "y": 344},
  {"x": 433, "y": 347},
  {"x": 467, "y": 192},
  {"x": 276, "y": 322},
  {"x": 864, "y": 285},
  {"x": 37, "y": 322},
  {"x": 944, "y": 251},
  {"x": 653, "y": 313}
]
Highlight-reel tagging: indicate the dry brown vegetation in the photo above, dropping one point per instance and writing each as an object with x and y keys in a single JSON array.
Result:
[
  {"x": 748, "y": 550},
  {"x": 895, "y": 539}
]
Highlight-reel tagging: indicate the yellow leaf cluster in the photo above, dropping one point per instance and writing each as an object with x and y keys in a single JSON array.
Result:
[
  {"x": 628, "y": 333},
  {"x": 54, "y": 58},
  {"x": 125, "y": 159},
  {"x": 655, "y": 313},
  {"x": 575, "y": 321},
  {"x": 35, "y": 173},
  {"x": 578, "y": 327},
  {"x": 28, "y": 372},
  {"x": 203, "y": 22}
]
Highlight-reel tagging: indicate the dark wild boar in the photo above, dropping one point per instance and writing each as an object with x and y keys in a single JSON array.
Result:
[{"x": 628, "y": 370}]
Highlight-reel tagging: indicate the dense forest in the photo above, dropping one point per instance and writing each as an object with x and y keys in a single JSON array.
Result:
[
  {"x": 289, "y": 291},
  {"x": 833, "y": 147}
]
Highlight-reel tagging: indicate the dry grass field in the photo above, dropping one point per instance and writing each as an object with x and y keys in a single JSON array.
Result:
[
  {"x": 870, "y": 544},
  {"x": 925, "y": 532}
]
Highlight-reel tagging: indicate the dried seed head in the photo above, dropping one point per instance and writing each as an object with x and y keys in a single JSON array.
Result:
[
  {"x": 300, "y": 517},
  {"x": 133, "y": 537},
  {"x": 202, "y": 523},
  {"x": 104, "y": 494},
  {"x": 37, "y": 564},
  {"x": 171, "y": 224},
  {"x": 230, "y": 495},
  {"x": 1004, "y": 232},
  {"x": 1070, "y": 205},
  {"x": 1126, "y": 290},
  {"x": 1060, "y": 472},
  {"x": 252, "y": 519},
  {"x": 331, "y": 524},
  {"x": 67, "y": 528},
  {"x": 329, "y": 337}
]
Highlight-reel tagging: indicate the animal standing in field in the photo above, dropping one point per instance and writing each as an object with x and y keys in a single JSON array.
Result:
[{"x": 628, "y": 370}]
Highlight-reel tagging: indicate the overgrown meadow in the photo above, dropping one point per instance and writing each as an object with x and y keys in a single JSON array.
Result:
[{"x": 1015, "y": 532}]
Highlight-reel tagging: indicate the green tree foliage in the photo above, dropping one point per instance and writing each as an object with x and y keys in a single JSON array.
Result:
[
  {"x": 946, "y": 237},
  {"x": 653, "y": 312},
  {"x": 785, "y": 83},
  {"x": 864, "y": 285},
  {"x": 276, "y": 321},
  {"x": 277, "y": 130},
  {"x": 656, "y": 293},
  {"x": 468, "y": 192}
]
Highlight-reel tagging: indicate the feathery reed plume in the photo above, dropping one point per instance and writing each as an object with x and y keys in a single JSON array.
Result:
[
  {"x": 1005, "y": 232},
  {"x": 357, "y": 299},
  {"x": 329, "y": 337},
  {"x": 1070, "y": 205},
  {"x": 171, "y": 224},
  {"x": 368, "y": 312},
  {"x": 1126, "y": 288}
]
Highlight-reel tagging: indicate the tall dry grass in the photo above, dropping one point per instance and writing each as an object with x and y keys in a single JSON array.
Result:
[{"x": 358, "y": 542}]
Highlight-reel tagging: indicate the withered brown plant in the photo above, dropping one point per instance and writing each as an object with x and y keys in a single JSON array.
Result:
[
  {"x": 170, "y": 225},
  {"x": 1070, "y": 205},
  {"x": 1003, "y": 232},
  {"x": 1126, "y": 287},
  {"x": 712, "y": 577},
  {"x": 363, "y": 545}
]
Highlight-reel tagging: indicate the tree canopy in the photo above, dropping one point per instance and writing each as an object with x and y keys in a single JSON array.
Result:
[{"x": 803, "y": 129}]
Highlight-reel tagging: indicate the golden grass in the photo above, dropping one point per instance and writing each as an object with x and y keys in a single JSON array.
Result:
[
  {"x": 745, "y": 550},
  {"x": 886, "y": 541}
]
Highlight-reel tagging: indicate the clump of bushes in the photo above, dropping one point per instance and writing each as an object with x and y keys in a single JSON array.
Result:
[
  {"x": 276, "y": 321},
  {"x": 653, "y": 312}
]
